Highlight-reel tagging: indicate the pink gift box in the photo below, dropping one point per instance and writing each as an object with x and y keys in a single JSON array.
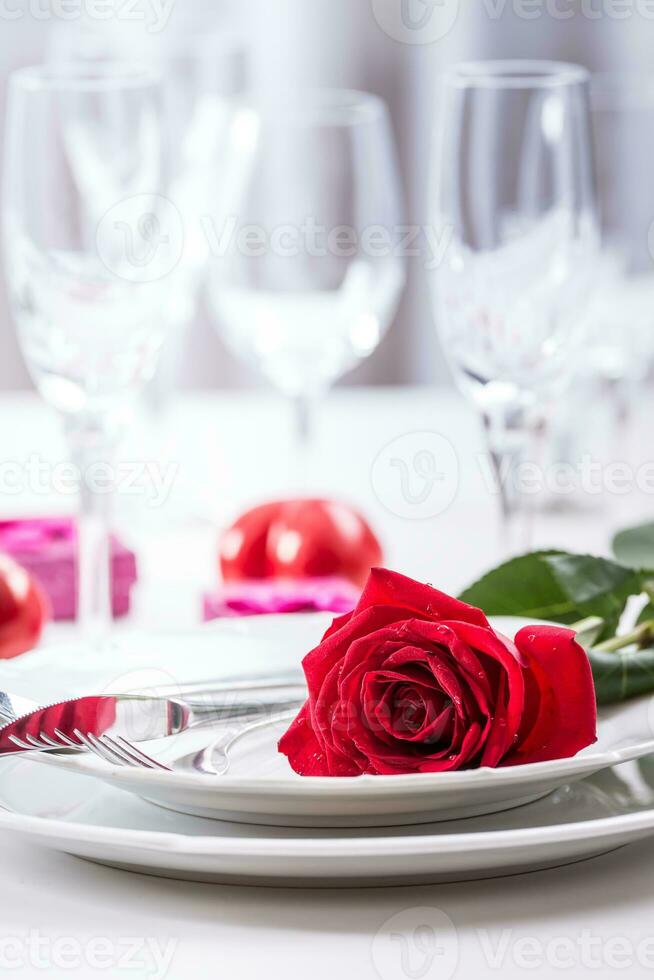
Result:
[
  {"x": 255, "y": 598},
  {"x": 47, "y": 548}
]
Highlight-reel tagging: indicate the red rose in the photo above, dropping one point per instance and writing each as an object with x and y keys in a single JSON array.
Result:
[{"x": 415, "y": 681}]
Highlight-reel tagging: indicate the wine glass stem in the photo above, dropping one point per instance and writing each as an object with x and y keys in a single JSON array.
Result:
[
  {"x": 300, "y": 466},
  {"x": 94, "y": 597},
  {"x": 509, "y": 439},
  {"x": 92, "y": 455},
  {"x": 302, "y": 408}
]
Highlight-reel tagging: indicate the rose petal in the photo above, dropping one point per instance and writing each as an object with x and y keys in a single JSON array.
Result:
[
  {"x": 510, "y": 693},
  {"x": 301, "y": 747},
  {"x": 467, "y": 752},
  {"x": 561, "y": 709},
  {"x": 386, "y": 588}
]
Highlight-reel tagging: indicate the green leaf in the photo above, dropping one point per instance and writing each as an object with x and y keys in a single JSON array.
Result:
[
  {"x": 599, "y": 587},
  {"x": 622, "y": 675},
  {"x": 524, "y": 586},
  {"x": 558, "y": 586},
  {"x": 635, "y": 546}
]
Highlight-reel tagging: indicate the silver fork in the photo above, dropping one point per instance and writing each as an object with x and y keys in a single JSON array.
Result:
[{"x": 118, "y": 751}]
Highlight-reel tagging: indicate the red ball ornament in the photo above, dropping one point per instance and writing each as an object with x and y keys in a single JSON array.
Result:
[
  {"x": 298, "y": 539},
  {"x": 23, "y": 609}
]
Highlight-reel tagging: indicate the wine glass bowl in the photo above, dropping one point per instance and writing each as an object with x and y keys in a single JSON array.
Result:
[
  {"x": 300, "y": 289},
  {"x": 201, "y": 71},
  {"x": 81, "y": 144}
]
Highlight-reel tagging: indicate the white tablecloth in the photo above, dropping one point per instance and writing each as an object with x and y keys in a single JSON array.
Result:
[{"x": 595, "y": 918}]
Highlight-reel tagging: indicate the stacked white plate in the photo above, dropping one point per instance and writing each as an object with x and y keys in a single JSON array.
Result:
[{"x": 262, "y": 824}]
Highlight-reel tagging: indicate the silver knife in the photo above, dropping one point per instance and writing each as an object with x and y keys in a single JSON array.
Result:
[{"x": 140, "y": 718}]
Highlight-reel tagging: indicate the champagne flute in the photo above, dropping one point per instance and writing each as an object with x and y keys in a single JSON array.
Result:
[
  {"x": 89, "y": 243},
  {"x": 515, "y": 193},
  {"x": 301, "y": 287}
]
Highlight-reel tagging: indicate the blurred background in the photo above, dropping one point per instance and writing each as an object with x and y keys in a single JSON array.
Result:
[
  {"x": 292, "y": 44},
  {"x": 494, "y": 284}
]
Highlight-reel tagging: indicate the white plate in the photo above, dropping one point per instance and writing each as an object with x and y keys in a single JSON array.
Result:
[
  {"x": 261, "y": 788},
  {"x": 70, "y": 813}
]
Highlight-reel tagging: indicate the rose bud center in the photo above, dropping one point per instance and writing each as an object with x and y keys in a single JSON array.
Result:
[{"x": 414, "y": 709}]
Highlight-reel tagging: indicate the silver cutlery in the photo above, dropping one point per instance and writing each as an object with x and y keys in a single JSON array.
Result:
[
  {"x": 141, "y": 718},
  {"x": 213, "y": 760}
]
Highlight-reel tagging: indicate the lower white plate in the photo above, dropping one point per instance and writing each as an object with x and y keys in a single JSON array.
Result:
[{"x": 67, "y": 812}]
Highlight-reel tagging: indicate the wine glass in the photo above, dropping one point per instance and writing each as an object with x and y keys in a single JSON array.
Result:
[
  {"x": 89, "y": 243},
  {"x": 201, "y": 70},
  {"x": 307, "y": 276},
  {"x": 515, "y": 195}
]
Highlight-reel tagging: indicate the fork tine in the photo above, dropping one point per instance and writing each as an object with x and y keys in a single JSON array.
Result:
[
  {"x": 19, "y": 742},
  {"x": 133, "y": 754},
  {"x": 35, "y": 742},
  {"x": 51, "y": 742},
  {"x": 97, "y": 749},
  {"x": 66, "y": 739},
  {"x": 109, "y": 747},
  {"x": 101, "y": 747}
]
